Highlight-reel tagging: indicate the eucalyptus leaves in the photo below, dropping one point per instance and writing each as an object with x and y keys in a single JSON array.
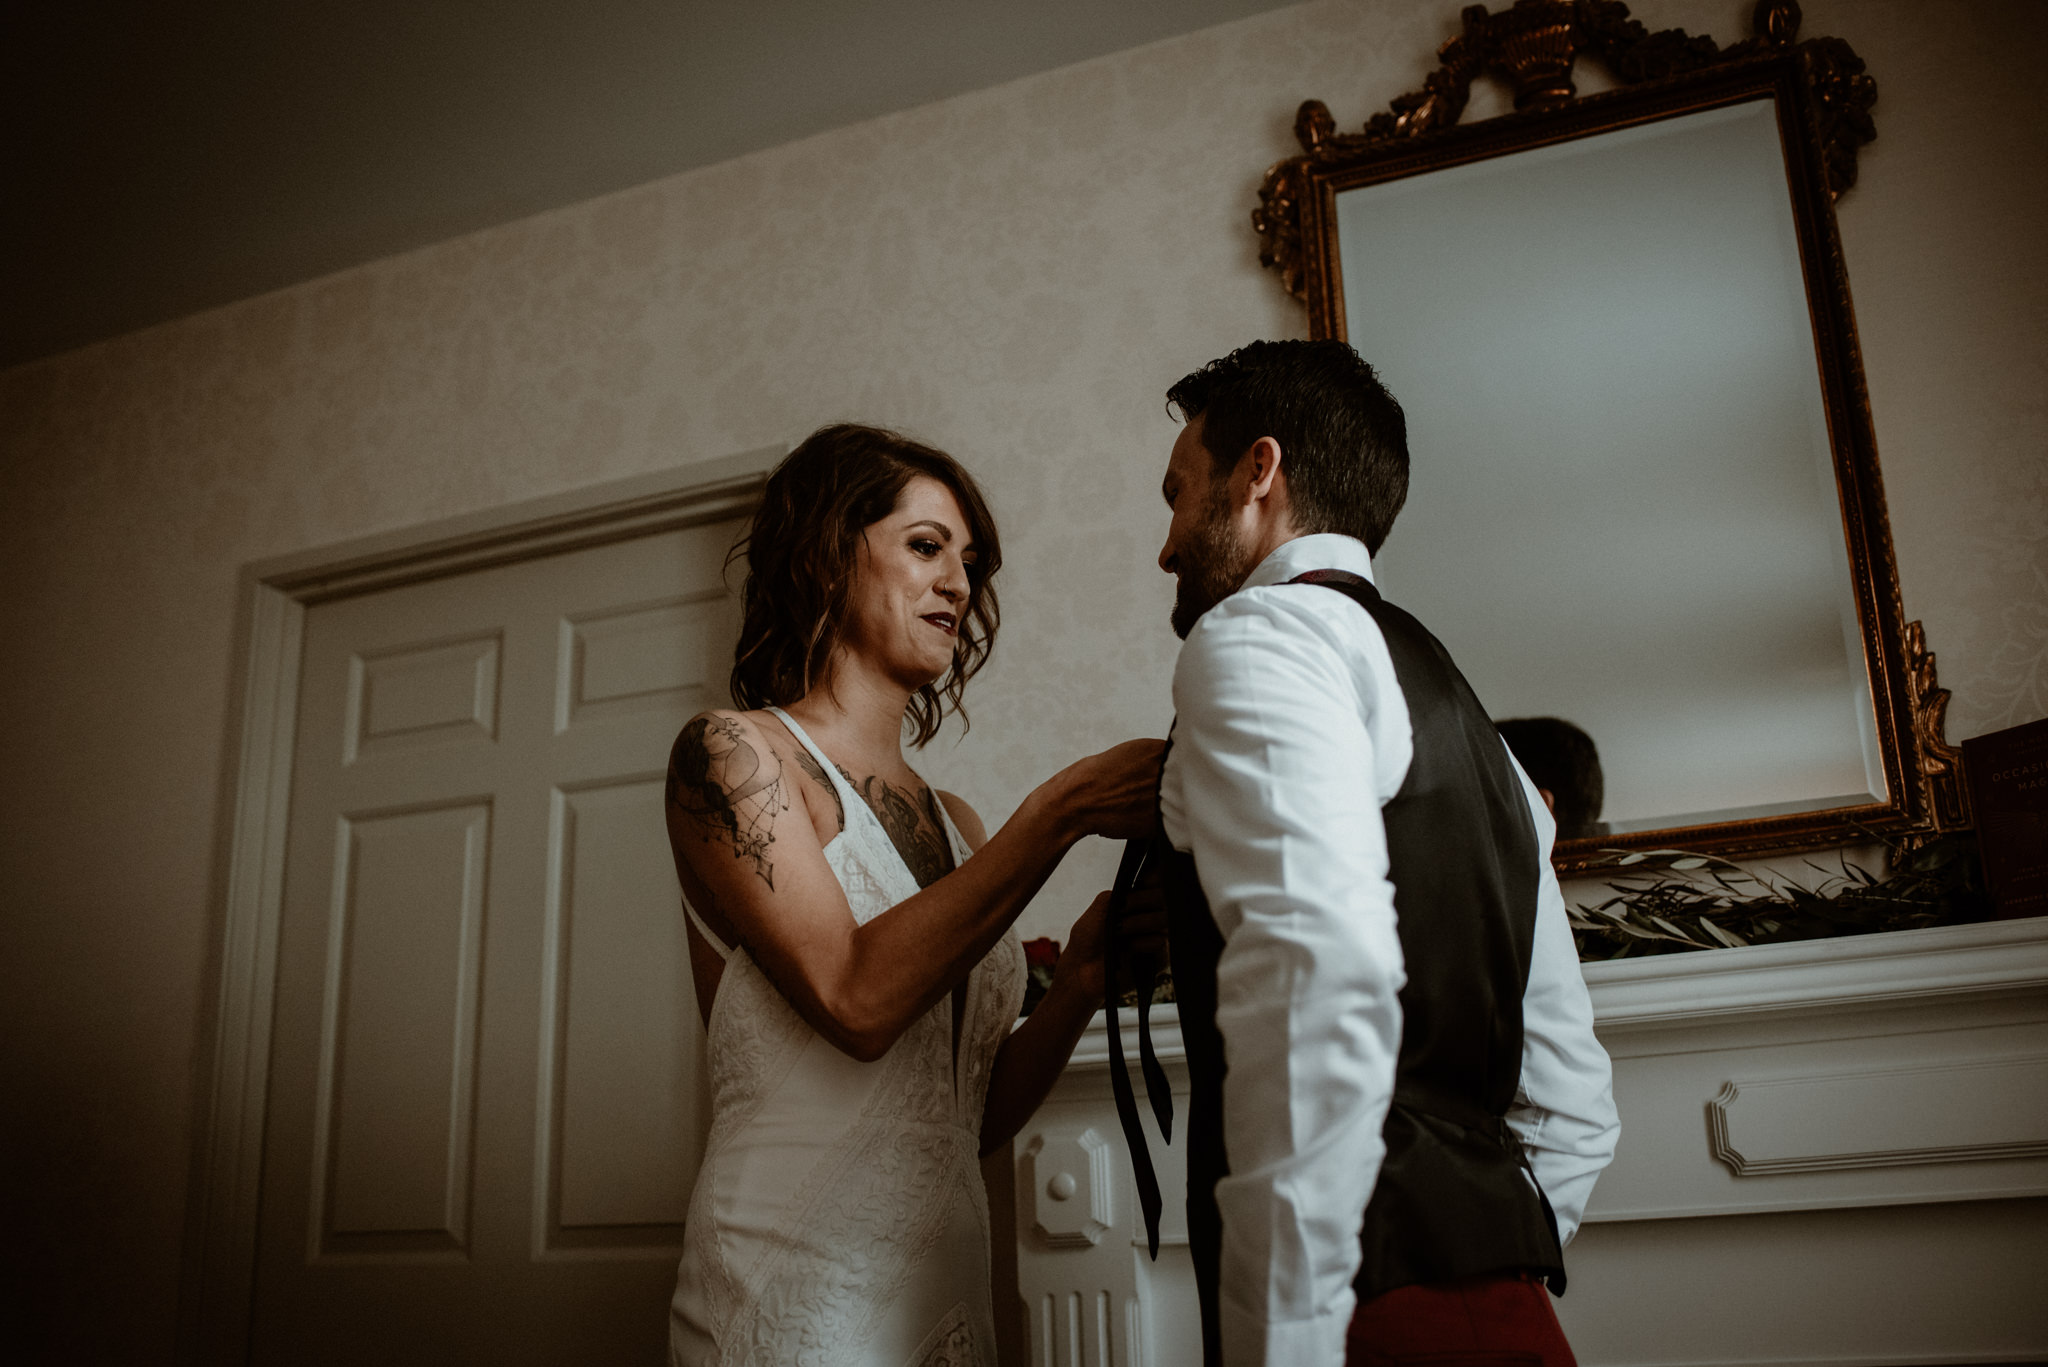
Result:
[{"x": 1670, "y": 901}]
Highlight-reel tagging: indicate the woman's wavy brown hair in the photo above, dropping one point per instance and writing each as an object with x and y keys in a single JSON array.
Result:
[{"x": 802, "y": 554}]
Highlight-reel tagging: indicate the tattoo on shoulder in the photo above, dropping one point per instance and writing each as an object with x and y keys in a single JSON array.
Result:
[
  {"x": 718, "y": 778},
  {"x": 917, "y": 833},
  {"x": 806, "y": 762}
]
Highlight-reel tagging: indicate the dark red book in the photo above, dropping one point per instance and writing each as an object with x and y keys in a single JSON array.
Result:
[{"x": 2007, "y": 772}]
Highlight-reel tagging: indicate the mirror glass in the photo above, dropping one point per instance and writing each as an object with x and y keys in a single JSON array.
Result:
[{"x": 1622, "y": 508}]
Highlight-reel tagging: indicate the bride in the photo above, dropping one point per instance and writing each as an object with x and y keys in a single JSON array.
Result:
[{"x": 859, "y": 968}]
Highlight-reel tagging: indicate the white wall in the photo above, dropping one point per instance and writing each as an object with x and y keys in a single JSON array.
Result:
[{"x": 1017, "y": 275}]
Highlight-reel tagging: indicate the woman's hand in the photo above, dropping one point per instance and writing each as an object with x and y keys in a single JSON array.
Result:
[
  {"x": 1115, "y": 793},
  {"x": 1031, "y": 1057},
  {"x": 1083, "y": 964}
]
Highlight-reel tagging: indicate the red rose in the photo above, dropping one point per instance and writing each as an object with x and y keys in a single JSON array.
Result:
[{"x": 1041, "y": 953}]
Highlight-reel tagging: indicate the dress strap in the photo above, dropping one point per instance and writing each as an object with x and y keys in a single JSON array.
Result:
[
  {"x": 851, "y": 801},
  {"x": 846, "y": 793},
  {"x": 723, "y": 950},
  {"x": 954, "y": 840}
]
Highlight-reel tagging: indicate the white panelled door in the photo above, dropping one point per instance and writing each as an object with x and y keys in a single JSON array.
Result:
[{"x": 487, "y": 1098}]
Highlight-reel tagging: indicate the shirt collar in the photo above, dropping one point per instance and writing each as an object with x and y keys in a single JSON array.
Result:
[{"x": 1319, "y": 551}]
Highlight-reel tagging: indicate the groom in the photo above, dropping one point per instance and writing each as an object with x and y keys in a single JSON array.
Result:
[{"x": 1398, "y": 1108}]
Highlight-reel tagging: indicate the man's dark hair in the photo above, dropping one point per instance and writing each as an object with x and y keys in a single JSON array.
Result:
[
  {"x": 1343, "y": 439},
  {"x": 1562, "y": 760}
]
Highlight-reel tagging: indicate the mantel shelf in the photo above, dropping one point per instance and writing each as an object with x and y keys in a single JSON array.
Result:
[{"x": 1810, "y": 975}]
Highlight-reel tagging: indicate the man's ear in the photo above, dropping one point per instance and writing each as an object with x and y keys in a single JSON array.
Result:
[{"x": 1262, "y": 466}]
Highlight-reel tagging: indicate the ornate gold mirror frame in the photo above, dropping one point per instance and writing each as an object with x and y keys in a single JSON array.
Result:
[{"x": 1823, "y": 100}]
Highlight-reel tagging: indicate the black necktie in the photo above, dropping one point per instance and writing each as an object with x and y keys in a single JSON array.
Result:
[{"x": 1129, "y": 873}]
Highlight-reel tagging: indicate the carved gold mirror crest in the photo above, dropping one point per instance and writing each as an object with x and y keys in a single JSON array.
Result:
[{"x": 1645, "y": 494}]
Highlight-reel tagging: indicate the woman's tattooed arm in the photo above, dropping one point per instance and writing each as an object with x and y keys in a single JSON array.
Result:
[{"x": 730, "y": 788}]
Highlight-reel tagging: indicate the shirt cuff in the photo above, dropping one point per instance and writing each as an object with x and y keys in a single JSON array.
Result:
[{"x": 1317, "y": 1342}]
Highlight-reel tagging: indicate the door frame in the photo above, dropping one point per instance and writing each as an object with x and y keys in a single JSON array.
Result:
[{"x": 216, "y": 1295}]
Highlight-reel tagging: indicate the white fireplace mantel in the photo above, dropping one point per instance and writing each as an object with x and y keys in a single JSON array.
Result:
[
  {"x": 1811, "y": 976},
  {"x": 1832, "y": 1152}
]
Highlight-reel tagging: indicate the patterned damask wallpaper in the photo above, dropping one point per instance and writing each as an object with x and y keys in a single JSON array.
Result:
[{"x": 1016, "y": 275}]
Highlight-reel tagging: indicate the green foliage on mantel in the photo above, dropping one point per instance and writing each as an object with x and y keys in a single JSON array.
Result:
[{"x": 1673, "y": 901}]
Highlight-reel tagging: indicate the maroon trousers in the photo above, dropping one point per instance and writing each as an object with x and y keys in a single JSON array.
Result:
[{"x": 1502, "y": 1320}]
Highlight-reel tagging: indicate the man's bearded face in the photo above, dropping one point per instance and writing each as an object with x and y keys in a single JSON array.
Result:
[
  {"x": 1212, "y": 563},
  {"x": 1204, "y": 548}
]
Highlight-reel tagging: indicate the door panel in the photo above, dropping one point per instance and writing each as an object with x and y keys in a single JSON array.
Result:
[
  {"x": 419, "y": 694},
  {"x": 625, "y": 1140},
  {"x": 650, "y": 657},
  {"x": 488, "y": 1100},
  {"x": 396, "y": 1100}
]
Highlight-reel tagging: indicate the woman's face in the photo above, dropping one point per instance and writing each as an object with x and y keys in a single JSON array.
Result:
[{"x": 911, "y": 590}]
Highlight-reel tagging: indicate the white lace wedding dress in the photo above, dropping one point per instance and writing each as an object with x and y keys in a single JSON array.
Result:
[{"x": 839, "y": 1216}]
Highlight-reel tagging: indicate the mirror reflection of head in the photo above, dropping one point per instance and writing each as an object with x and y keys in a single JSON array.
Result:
[
  {"x": 1564, "y": 764},
  {"x": 1283, "y": 439}
]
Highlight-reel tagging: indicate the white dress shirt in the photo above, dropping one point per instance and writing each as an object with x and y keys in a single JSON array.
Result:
[{"x": 1292, "y": 734}]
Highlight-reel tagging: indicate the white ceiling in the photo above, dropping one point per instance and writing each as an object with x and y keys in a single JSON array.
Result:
[{"x": 157, "y": 159}]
